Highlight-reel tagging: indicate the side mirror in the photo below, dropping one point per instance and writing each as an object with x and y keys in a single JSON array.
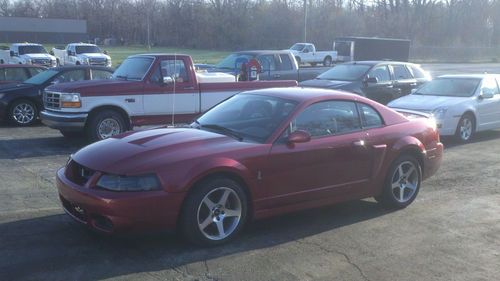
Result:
[
  {"x": 413, "y": 91},
  {"x": 298, "y": 136},
  {"x": 486, "y": 94},
  {"x": 69, "y": 53},
  {"x": 371, "y": 80},
  {"x": 167, "y": 80},
  {"x": 105, "y": 52},
  {"x": 12, "y": 54}
]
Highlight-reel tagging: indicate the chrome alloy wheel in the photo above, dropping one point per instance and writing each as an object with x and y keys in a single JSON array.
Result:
[
  {"x": 404, "y": 181},
  {"x": 465, "y": 128},
  {"x": 108, "y": 127},
  {"x": 219, "y": 213},
  {"x": 23, "y": 113}
]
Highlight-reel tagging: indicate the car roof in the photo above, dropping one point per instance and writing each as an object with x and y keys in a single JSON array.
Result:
[
  {"x": 303, "y": 94},
  {"x": 376, "y": 62},
  {"x": 469, "y": 76},
  {"x": 260, "y": 52},
  {"x": 22, "y": 66}
]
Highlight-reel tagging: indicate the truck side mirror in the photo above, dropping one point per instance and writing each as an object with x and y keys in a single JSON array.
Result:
[
  {"x": 105, "y": 52},
  {"x": 167, "y": 80},
  {"x": 69, "y": 52},
  {"x": 12, "y": 54}
]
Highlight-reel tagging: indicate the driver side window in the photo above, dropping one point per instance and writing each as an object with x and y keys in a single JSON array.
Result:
[
  {"x": 489, "y": 86},
  {"x": 70, "y": 76},
  {"x": 381, "y": 73}
]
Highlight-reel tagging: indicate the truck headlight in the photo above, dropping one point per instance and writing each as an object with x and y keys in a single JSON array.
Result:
[
  {"x": 71, "y": 100},
  {"x": 129, "y": 183},
  {"x": 439, "y": 112}
]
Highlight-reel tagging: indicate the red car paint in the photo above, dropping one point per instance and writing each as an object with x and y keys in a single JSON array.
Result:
[{"x": 280, "y": 178}]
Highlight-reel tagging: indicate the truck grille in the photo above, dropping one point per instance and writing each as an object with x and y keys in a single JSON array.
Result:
[
  {"x": 77, "y": 173},
  {"x": 51, "y": 100},
  {"x": 44, "y": 62},
  {"x": 98, "y": 61}
]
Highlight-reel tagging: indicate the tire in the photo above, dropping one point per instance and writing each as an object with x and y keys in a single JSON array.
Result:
[
  {"x": 402, "y": 183},
  {"x": 466, "y": 128},
  {"x": 77, "y": 63},
  {"x": 104, "y": 124},
  {"x": 298, "y": 60},
  {"x": 23, "y": 113},
  {"x": 58, "y": 63},
  {"x": 72, "y": 134},
  {"x": 327, "y": 61},
  {"x": 206, "y": 222}
]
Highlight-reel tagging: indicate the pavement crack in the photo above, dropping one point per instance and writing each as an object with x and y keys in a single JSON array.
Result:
[{"x": 330, "y": 251}]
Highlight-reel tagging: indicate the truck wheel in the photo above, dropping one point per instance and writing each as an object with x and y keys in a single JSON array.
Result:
[
  {"x": 77, "y": 63},
  {"x": 105, "y": 124},
  {"x": 327, "y": 61},
  {"x": 23, "y": 113},
  {"x": 298, "y": 60}
]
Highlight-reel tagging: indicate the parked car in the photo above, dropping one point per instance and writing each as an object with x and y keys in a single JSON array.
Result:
[
  {"x": 12, "y": 73},
  {"x": 81, "y": 54},
  {"x": 276, "y": 65},
  {"x": 145, "y": 90},
  {"x": 27, "y": 53},
  {"x": 381, "y": 81},
  {"x": 306, "y": 53},
  {"x": 21, "y": 102},
  {"x": 371, "y": 48},
  {"x": 258, "y": 154},
  {"x": 461, "y": 104}
]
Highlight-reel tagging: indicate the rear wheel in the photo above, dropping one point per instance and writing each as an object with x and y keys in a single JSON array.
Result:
[
  {"x": 465, "y": 128},
  {"x": 327, "y": 61},
  {"x": 214, "y": 212},
  {"x": 105, "y": 124},
  {"x": 402, "y": 183},
  {"x": 23, "y": 113}
]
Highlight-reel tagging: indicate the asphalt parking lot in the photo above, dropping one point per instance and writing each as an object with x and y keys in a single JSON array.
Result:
[{"x": 451, "y": 231}]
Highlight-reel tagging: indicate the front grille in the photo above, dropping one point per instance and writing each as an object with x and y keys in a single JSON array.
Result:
[
  {"x": 43, "y": 62},
  {"x": 98, "y": 61},
  {"x": 77, "y": 173},
  {"x": 51, "y": 100}
]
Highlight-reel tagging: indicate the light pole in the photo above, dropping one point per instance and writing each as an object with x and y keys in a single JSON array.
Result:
[{"x": 305, "y": 21}]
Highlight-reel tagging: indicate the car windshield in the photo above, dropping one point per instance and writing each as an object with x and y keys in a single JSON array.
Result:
[
  {"x": 453, "y": 87},
  {"x": 87, "y": 49},
  {"x": 32, "y": 49},
  {"x": 42, "y": 77},
  {"x": 345, "y": 72},
  {"x": 246, "y": 117},
  {"x": 134, "y": 68},
  {"x": 233, "y": 61},
  {"x": 297, "y": 47}
]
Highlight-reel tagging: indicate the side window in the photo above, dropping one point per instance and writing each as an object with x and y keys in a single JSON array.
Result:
[
  {"x": 267, "y": 62},
  {"x": 174, "y": 68},
  {"x": 2, "y": 74},
  {"x": 400, "y": 72},
  {"x": 381, "y": 73},
  {"x": 98, "y": 74},
  {"x": 489, "y": 86},
  {"x": 417, "y": 72},
  {"x": 70, "y": 76},
  {"x": 328, "y": 118},
  {"x": 16, "y": 74},
  {"x": 370, "y": 117},
  {"x": 309, "y": 48},
  {"x": 286, "y": 63},
  {"x": 34, "y": 71}
]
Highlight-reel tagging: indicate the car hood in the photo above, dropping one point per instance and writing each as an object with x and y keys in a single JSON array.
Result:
[
  {"x": 425, "y": 102},
  {"x": 39, "y": 56},
  {"x": 96, "y": 87},
  {"x": 323, "y": 83},
  {"x": 150, "y": 150},
  {"x": 14, "y": 87},
  {"x": 94, "y": 55}
]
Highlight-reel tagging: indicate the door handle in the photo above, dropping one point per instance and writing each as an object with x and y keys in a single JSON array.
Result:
[
  {"x": 277, "y": 76},
  {"x": 359, "y": 143}
]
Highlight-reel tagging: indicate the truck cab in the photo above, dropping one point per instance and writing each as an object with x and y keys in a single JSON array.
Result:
[
  {"x": 27, "y": 53},
  {"x": 82, "y": 54},
  {"x": 307, "y": 53}
]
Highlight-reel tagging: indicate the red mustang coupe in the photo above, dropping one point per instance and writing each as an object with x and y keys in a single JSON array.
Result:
[{"x": 258, "y": 154}]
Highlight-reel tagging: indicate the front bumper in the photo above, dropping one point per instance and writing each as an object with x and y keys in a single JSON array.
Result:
[
  {"x": 111, "y": 212},
  {"x": 432, "y": 160},
  {"x": 64, "y": 120}
]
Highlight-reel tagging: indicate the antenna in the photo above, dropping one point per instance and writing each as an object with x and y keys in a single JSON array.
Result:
[{"x": 173, "y": 94}]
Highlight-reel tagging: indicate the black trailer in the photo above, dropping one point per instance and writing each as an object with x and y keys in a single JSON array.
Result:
[{"x": 371, "y": 48}]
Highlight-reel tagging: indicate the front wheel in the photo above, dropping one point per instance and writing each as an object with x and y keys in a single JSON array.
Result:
[
  {"x": 23, "y": 113},
  {"x": 105, "y": 124},
  {"x": 465, "y": 128},
  {"x": 215, "y": 212},
  {"x": 327, "y": 61},
  {"x": 402, "y": 183}
]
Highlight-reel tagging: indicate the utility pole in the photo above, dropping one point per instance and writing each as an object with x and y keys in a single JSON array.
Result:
[
  {"x": 305, "y": 21},
  {"x": 148, "y": 35}
]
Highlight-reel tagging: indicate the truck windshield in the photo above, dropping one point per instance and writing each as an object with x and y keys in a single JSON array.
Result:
[
  {"x": 32, "y": 49},
  {"x": 297, "y": 47},
  {"x": 41, "y": 77},
  {"x": 87, "y": 49},
  {"x": 452, "y": 87},
  {"x": 233, "y": 61},
  {"x": 133, "y": 68},
  {"x": 345, "y": 72}
]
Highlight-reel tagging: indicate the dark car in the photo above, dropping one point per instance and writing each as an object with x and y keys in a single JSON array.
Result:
[
  {"x": 21, "y": 102},
  {"x": 257, "y": 154},
  {"x": 381, "y": 81},
  {"x": 11, "y": 73}
]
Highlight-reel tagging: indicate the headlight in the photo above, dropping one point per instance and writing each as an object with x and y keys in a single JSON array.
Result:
[
  {"x": 132, "y": 183},
  {"x": 71, "y": 100},
  {"x": 439, "y": 112}
]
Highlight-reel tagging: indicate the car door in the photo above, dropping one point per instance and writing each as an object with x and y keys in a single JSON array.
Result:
[
  {"x": 163, "y": 99},
  {"x": 488, "y": 109},
  {"x": 334, "y": 161},
  {"x": 404, "y": 82},
  {"x": 383, "y": 90}
]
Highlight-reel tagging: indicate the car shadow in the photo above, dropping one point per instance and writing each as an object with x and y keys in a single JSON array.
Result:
[
  {"x": 450, "y": 142},
  {"x": 54, "y": 247},
  {"x": 38, "y": 147}
]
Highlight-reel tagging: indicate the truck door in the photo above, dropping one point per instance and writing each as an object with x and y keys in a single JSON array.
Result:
[
  {"x": 268, "y": 64},
  {"x": 170, "y": 90},
  {"x": 286, "y": 69}
]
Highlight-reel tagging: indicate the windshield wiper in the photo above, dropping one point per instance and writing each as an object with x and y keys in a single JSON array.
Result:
[{"x": 224, "y": 130}]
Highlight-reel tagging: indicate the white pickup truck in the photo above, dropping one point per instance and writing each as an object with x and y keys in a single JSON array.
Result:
[
  {"x": 306, "y": 53},
  {"x": 26, "y": 53},
  {"x": 81, "y": 54}
]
